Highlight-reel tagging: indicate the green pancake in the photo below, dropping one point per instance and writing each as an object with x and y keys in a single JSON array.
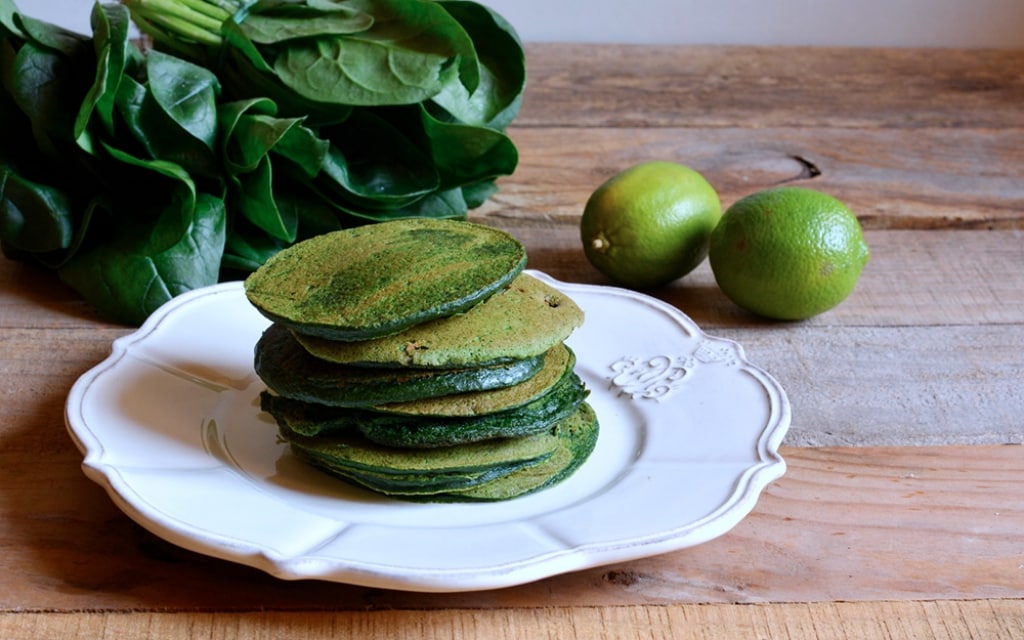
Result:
[
  {"x": 492, "y": 471},
  {"x": 558, "y": 361},
  {"x": 351, "y": 454},
  {"x": 378, "y": 279},
  {"x": 426, "y": 485},
  {"x": 316, "y": 420},
  {"x": 526, "y": 318},
  {"x": 578, "y": 438},
  {"x": 288, "y": 370}
]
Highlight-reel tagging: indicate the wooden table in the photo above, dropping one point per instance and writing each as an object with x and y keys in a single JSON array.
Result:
[{"x": 902, "y": 512}]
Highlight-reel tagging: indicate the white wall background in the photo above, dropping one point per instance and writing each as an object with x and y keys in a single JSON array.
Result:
[{"x": 935, "y": 23}]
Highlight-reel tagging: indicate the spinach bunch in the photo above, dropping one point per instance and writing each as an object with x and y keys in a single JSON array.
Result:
[{"x": 137, "y": 174}]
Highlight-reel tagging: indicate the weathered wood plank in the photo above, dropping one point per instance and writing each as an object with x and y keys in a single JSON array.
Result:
[
  {"x": 581, "y": 85},
  {"x": 871, "y": 517},
  {"x": 924, "y": 145},
  {"x": 882, "y": 386},
  {"x": 944, "y": 620},
  {"x": 925, "y": 351},
  {"x": 31, "y": 298},
  {"x": 845, "y": 524},
  {"x": 913, "y": 278},
  {"x": 926, "y": 178}
]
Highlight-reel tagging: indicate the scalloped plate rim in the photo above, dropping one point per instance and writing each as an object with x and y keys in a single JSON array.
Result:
[{"x": 742, "y": 500}]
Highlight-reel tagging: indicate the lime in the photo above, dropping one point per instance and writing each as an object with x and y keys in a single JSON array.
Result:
[
  {"x": 787, "y": 253},
  {"x": 649, "y": 224}
]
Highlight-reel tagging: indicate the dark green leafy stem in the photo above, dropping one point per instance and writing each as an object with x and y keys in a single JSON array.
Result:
[{"x": 137, "y": 174}]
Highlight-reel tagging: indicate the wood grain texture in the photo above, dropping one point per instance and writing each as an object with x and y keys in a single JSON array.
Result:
[
  {"x": 914, "y": 278},
  {"x": 927, "y": 349},
  {"x": 877, "y": 540},
  {"x": 891, "y": 179},
  {"x": 579, "y": 85},
  {"x": 843, "y": 524},
  {"x": 942, "y": 620}
]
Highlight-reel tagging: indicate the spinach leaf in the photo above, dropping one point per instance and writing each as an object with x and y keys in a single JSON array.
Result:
[
  {"x": 187, "y": 93},
  {"x": 476, "y": 194},
  {"x": 41, "y": 81},
  {"x": 448, "y": 203},
  {"x": 256, "y": 199},
  {"x": 174, "y": 114},
  {"x": 34, "y": 217},
  {"x": 250, "y": 129},
  {"x": 245, "y": 74},
  {"x": 502, "y": 69},
  {"x": 7, "y": 13},
  {"x": 304, "y": 148},
  {"x": 137, "y": 174},
  {"x": 163, "y": 189},
  {"x": 170, "y": 243},
  {"x": 466, "y": 154},
  {"x": 246, "y": 249},
  {"x": 253, "y": 142},
  {"x": 50, "y": 36},
  {"x": 114, "y": 53},
  {"x": 132, "y": 273},
  {"x": 269, "y": 23},
  {"x": 372, "y": 163},
  {"x": 406, "y": 56}
]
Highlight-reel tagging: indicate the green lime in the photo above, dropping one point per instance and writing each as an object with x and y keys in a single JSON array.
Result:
[
  {"x": 649, "y": 224},
  {"x": 787, "y": 253}
]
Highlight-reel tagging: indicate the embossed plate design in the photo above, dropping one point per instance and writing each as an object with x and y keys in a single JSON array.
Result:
[{"x": 170, "y": 426}]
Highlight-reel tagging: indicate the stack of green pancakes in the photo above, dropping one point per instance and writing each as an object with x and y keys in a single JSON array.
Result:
[{"x": 416, "y": 359}]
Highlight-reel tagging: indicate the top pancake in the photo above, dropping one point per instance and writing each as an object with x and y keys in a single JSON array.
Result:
[
  {"x": 525, "y": 319},
  {"x": 376, "y": 280}
]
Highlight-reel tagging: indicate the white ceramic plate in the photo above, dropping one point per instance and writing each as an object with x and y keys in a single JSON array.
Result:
[{"x": 170, "y": 425}]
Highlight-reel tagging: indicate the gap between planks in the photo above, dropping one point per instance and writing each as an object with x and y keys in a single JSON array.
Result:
[{"x": 939, "y": 620}]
